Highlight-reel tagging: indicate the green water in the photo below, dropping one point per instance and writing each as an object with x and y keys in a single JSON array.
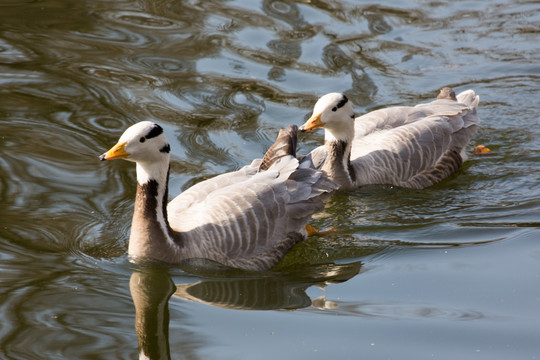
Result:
[{"x": 449, "y": 272}]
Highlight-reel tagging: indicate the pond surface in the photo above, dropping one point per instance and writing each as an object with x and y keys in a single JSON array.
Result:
[{"x": 449, "y": 272}]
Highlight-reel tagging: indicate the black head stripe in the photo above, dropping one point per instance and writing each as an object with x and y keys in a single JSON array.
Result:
[
  {"x": 156, "y": 131},
  {"x": 342, "y": 102},
  {"x": 165, "y": 149}
]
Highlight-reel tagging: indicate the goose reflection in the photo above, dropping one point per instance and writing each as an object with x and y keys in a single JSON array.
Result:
[
  {"x": 152, "y": 287},
  {"x": 285, "y": 291}
]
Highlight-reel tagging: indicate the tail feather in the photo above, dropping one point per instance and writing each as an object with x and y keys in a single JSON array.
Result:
[
  {"x": 284, "y": 145},
  {"x": 306, "y": 186},
  {"x": 469, "y": 98},
  {"x": 471, "y": 121}
]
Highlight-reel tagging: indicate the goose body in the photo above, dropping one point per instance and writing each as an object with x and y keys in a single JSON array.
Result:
[
  {"x": 406, "y": 146},
  {"x": 245, "y": 219}
]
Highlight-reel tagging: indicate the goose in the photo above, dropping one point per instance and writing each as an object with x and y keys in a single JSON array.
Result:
[
  {"x": 405, "y": 146},
  {"x": 246, "y": 219}
]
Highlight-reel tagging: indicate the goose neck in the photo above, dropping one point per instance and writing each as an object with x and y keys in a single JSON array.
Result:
[
  {"x": 338, "y": 165},
  {"x": 151, "y": 235}
]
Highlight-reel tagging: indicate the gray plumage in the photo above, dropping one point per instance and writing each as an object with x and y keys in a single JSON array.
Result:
[
  {"x": 412, "y": 147},
  {"x": 245, "y": 219}
]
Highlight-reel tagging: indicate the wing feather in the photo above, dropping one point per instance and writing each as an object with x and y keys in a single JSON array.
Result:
[
  {"x": 411, "y": 146},
  {"x": 250, "y": 215}
]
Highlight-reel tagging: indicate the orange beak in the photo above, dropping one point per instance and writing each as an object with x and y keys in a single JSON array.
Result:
[
  {"x": 314, "y": 122},
  {"x": 118, "y": 151}
]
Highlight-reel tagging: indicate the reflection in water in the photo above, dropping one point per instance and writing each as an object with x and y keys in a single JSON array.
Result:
[
  {"x": 246, "y": 294},
  {"x": 266, "y": 293},
  {"x": 151, "y": 289}
]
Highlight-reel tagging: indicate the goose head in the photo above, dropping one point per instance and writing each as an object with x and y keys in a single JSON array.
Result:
[
  {"x": 146, "y": 144},
  {"x": 447, "y": 93},
  {"x": 333, "y": 112}
]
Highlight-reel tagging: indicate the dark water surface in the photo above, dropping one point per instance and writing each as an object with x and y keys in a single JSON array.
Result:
[{"x": 449, "y": 272}]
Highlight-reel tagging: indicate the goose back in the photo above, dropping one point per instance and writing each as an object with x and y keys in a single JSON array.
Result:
[
  {"x": 416, "y": 146},
  {"x": 250, "y": 218}
]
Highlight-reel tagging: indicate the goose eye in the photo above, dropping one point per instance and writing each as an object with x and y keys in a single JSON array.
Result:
[
  {"x": 142, "y": 139},
  {"x": 334, "y": 109}
]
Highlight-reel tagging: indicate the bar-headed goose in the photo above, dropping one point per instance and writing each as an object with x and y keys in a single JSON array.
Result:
[
  {"x": 407, "y": 146},
  {"x": 245, "y": 219}
]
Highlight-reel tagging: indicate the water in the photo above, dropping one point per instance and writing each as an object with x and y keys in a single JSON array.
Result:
[{"x": 449, "y": 272}]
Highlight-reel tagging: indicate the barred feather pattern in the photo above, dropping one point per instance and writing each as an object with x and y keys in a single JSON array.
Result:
[{"x": 249, "y": 218}]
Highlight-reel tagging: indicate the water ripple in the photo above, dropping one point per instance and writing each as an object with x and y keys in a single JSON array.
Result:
[
  {"x": 116, "y": 75},
  {"x": 167, "y": 65},
  {"x": 144, "y": 20},
  {"x": 103, "y": 37},
  {"x": 11, "y": 53},
  {"x": 57, "y": 320},
  {"x": 402, "y": 311}
]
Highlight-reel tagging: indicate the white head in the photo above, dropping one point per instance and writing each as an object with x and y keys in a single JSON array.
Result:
[
  {"x": 335, "y": 113},
  {"x": 146, "y": 144}
]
